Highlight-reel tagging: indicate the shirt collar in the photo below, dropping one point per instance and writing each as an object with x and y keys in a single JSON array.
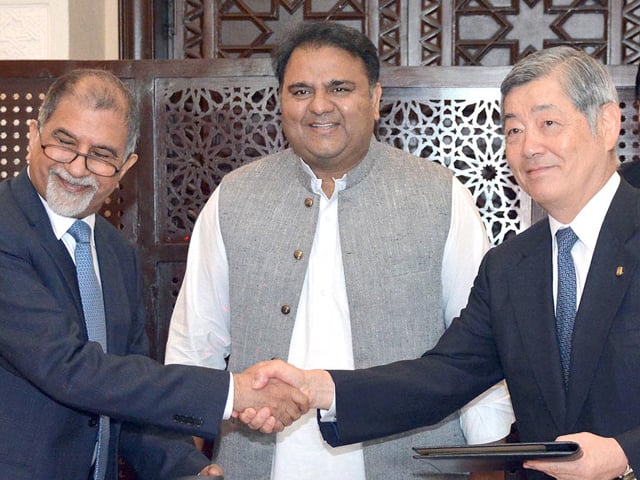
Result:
[
  {"x": 589, "y": 220},
  {"x": 352, "y": 177},
  {"x": 316, "y": 183}
]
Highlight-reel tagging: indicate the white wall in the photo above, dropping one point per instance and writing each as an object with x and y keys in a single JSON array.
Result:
[{"x": 58, "y": 29}]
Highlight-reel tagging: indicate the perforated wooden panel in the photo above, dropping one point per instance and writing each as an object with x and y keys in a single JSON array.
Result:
[
  {"x": 417, "y": 32},
  {"x": 204, "y": 118}
]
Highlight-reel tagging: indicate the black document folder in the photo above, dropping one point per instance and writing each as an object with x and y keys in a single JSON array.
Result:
[{"x": 499, "y": 456}]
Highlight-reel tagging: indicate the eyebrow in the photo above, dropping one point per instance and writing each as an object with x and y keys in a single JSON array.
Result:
[
  {"x": 298, "y": 85},
  {"x": 66, "y": 133},
  {"x": 543, "y": 107},
  {"x": 332, "y": 83},
  {"x": 536, "y": 109}
]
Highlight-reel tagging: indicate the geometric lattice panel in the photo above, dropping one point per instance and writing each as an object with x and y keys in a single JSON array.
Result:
[
  {"x": 251, "y": 28},
  {"x": 18, "y": 105},
  {"x": 500, "y": 32},
  {"x": 462, "y": 131},
  {"x": 630, "y": 32},
  {"x": 168, "y": 279},
  {"x": 208, "y": 127},
  {"x": 629, "y": 141},
  {"x": 430, "y": 32},
  {"x": 390, "y": 16}
]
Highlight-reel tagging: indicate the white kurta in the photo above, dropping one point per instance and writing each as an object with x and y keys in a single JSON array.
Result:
[{"x": 321, "y": 338}]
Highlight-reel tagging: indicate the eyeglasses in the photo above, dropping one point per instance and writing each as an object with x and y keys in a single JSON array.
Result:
[{"x": 102, "y": 165}]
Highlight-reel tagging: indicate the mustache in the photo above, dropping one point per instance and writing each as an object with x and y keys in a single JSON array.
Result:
[{"x": 88, "y": 181}]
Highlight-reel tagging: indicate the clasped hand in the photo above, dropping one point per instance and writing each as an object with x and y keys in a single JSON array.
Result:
[{"x": 272, "y": 395}]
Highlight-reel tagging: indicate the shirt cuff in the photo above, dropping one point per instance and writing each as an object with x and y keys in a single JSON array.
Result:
[
  {"x": 228, "y": 408},
  {"x": 329, "y": 415}
]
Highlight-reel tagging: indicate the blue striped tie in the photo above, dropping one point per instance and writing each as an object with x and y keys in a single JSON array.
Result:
[
  {"x": 566, "y": 298},
  {"x": 93, "y": 308}
]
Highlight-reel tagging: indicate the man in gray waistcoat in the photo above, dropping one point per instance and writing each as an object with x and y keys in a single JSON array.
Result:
[{"x": 339, "y": 252}]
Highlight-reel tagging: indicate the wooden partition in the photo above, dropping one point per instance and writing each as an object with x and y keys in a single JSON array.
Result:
[{"x": 204, "y": 118}]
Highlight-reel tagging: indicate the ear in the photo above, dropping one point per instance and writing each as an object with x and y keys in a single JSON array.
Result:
[
  {"x": 608, "y": 124},
  {"x": 376, "y": 95},
  {"x": 133, "y": 158},
  {"x": 34, "y": 135}
]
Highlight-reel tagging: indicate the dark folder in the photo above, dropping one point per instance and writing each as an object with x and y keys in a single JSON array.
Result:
[{"x": 500, "y": 456}]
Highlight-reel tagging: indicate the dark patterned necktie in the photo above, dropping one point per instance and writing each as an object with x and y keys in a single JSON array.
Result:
[
  {"x": 566, "y": 298},
  {"x": 93, "y": 308}
]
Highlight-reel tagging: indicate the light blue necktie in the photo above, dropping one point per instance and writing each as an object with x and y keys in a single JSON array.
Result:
[
  {"x": 566, "y": 298},
  {"x": 93, "y": 308}
]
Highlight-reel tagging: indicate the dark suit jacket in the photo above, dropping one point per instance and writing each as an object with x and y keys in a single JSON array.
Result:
[
  {"x": 508, "y": 330},
  {"x": 53, "y": 382},
  {"x": 631, "y": 172}
]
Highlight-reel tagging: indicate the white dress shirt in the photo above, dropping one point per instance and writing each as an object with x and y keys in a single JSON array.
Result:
[{"x": 586, "y": 226}]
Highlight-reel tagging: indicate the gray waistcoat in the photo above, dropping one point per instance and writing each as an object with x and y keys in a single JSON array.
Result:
[{"x": 394, "y": 218}]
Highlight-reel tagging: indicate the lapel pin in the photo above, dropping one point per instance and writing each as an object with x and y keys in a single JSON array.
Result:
[{"x": 619, "y": 271}]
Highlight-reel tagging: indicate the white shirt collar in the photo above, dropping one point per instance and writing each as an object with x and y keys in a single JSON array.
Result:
[
  {"x": 316, "y": 183},
  {"x": 589, "y": 220}
]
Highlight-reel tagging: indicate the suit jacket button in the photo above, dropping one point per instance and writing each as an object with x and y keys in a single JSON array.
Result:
[
  {"x": 308, "y": 202},
  {"x": 93, "y": 420},
  {"x": 285, "y": 309},
  {"x": 297, "y": 254}
]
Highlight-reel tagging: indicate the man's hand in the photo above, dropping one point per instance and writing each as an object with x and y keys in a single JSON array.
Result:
[
  {"x": 316, "y": 384},
  {"x": 211, "y": 471},
  {"x": 270, "y": 408},
  {"x": 601, "y": 458}
]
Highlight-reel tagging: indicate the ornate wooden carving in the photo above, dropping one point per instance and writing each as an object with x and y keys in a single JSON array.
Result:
[
  {"x": 499, "y": 33},
  {"x": 630, "y": 32},
  {"x": 416, "y": 32}
]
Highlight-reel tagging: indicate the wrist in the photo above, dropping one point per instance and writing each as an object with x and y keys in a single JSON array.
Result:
[{"x": 321, "y": 389}]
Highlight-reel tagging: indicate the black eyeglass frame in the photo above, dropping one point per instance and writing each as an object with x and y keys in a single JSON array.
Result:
[{"x": 86, "y": 156}]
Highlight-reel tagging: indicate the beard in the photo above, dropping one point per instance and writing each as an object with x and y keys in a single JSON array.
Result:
[{"x": 64, "y": 202}]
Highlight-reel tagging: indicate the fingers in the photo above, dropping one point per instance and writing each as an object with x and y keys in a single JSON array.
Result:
[
  {"x": 286, "y": 402},
  {"x": 262, "y": 420},
  {"x": 211, "y": 470},
  {"x": 275, "y": 399},
  {"x": 245, "y": 416},
  {"x": 276, "y": 369}
]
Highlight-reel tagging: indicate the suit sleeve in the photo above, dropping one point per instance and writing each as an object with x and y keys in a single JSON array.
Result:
[
  {"x": 154, "y": 452},
  {"x": 413, "y": 393},
  {"x": 488, "y": 417},
  {"x": 43, "y": 341},
  {"x": 160, "y": 454}
]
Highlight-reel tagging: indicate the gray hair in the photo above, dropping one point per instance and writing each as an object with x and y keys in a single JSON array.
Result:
[
  {"x": 584, "y": 80},
  {"x": 108, "y": 93}
]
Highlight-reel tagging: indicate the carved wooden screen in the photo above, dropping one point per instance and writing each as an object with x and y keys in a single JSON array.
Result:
[
  {"x": 202, "y": 119},
  {"x": 417, "y": 32}
]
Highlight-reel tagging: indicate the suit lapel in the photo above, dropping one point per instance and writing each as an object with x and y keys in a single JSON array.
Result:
[
  {"x": 530, "y": 285},
  {"x": 602, "y": 295},
  {"x": 31, "y": 206},
  {"x": 112, "y": 288}
]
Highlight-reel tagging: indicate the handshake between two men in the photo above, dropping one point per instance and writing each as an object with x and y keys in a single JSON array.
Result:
[{"x": 271, "y": 395}]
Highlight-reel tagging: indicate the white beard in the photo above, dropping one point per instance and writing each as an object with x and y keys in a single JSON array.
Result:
[{"x": 63, "y": 202}]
